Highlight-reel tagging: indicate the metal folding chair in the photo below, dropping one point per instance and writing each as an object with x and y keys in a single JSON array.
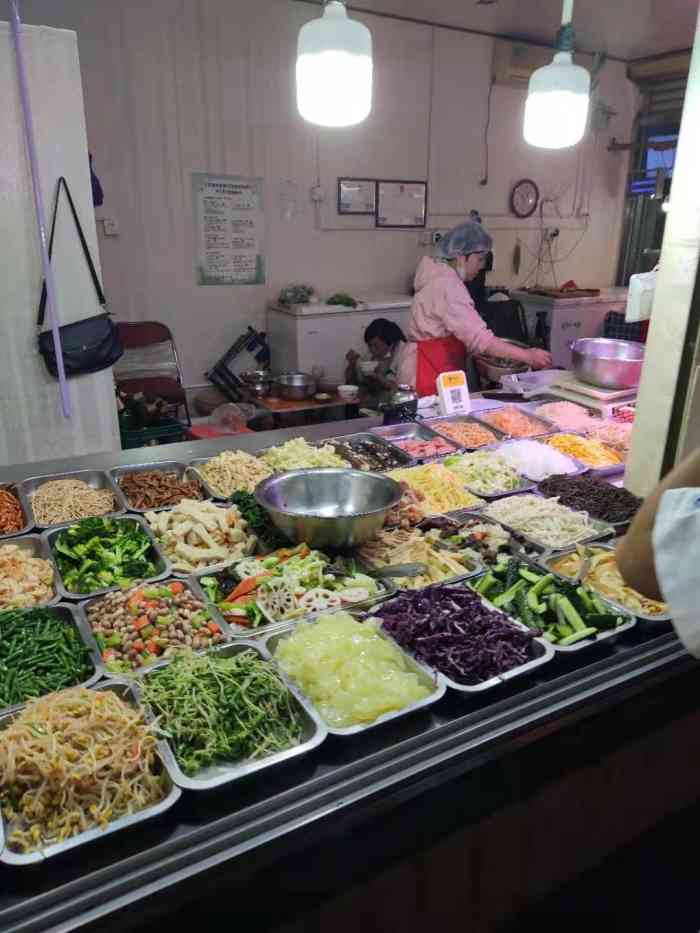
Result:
[{"x": 150, "y": 363}]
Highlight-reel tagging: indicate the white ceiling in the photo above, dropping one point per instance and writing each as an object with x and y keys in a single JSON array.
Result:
[{"x": 623, "y": 28}]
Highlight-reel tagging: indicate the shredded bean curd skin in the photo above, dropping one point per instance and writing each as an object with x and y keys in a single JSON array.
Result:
[
  {"x": 605, "y": 578},
  {"x": 401, "y": 546},
  {"x": 350, "y": 672},
  {"x": 70, "y": 500},
  {"x": 73, "y": 761},
  {"x": 233, "y": 470}
]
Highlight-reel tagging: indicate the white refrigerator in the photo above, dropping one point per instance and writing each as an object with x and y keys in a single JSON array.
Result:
[{"x": 32, "y": 426}]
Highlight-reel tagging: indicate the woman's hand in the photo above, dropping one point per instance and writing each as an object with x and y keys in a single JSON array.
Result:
[{"x": 540, "y": 359}]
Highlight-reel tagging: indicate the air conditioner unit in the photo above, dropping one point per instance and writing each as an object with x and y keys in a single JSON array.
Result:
[{"x": 514, "y": 62}]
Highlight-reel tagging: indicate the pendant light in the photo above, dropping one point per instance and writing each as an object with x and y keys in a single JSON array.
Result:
[
  {"x": 334, "y": 68},
  {"x": 556, "y": 110}
]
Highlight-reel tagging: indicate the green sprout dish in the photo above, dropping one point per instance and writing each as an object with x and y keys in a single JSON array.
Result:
[{"x": 222, "y": 709}]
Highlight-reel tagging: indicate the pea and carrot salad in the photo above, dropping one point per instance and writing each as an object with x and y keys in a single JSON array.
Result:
[{"x": 141, "y": 625}]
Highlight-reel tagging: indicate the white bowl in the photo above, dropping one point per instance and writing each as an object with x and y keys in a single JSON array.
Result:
[
  {"x": 367, "y": 367},
  {"x": 348, "y": 392}
]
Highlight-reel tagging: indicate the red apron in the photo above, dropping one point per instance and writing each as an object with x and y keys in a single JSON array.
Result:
[{"x": 442, "y": 355}]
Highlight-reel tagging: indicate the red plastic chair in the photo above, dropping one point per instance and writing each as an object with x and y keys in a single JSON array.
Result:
[{"x": 150, "y": 363}]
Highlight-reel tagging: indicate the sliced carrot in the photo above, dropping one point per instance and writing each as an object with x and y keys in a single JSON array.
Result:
[
  {"x": 153, "y": 648},
  {"x": 214, "y": 628},
  {"x": 139, "y": 645},
  {"x": 141, "y": 622},
  {"x": 176, "y": 587},
  {"x": 109, "y": 655},
  {"x": 247, "y": 586},
  {"x": 238, "y": 603}
]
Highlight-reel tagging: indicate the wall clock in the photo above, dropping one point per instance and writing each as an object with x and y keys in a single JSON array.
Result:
[{"x": 524, "y": 198}]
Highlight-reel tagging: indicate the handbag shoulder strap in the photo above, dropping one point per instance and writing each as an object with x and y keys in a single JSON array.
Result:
[{"x": 62, "y": 183}]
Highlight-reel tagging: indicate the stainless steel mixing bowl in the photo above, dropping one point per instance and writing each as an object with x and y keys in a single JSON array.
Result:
[
  {"x": 328, "y": 508},
  {"x": 608, "y": 364},
  {"x": 295, "y": 386}
]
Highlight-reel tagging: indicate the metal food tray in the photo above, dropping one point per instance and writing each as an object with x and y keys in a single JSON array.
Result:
[
  {"x": 192, "y": 584},
  {"x": 215, "y": 775},
  {"x": 212, "y": 568},
  {"x": 71, "y": 615},
  {"x": 464, "y": 419},
  {"x": 600, "y": 472},
  {"x": 37, "y": 546},
  {"x": 546, "y": 559},
  {"x": 526, "y": 485},
  {"x": 547, "y": 428},
  {"x": 162, "y": 564},
  {"x": 27, "y": 517},
  {"x": 197, "y": 462},
  {"x": 601, "y": 530},
  {"x": 516, "y": 545},
  {"x": 173, "y": 794},
  {"x": 412, "y": 431},
  {"x": 618, "y": 528},
  {"x": 275, "y": 625},
  {"x": 427, "y": 675},
  {"x": 588, "y": 642},
  {"x": 377, "y": 441},
  {"x": 161, "y": 466},
  {"x": 580, "y": 468},
  {"x": 544, "y": 654},
  {"x": 98, "y": 479}
]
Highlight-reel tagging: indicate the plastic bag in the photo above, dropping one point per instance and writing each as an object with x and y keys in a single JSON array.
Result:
[
  {"x": 640, "y": 298},
  {"x": 228, "y": 416}
]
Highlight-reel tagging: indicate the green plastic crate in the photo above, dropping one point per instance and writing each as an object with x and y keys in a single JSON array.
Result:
[{"x": 168, "y": 431}]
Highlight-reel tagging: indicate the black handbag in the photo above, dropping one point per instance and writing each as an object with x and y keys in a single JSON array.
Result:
[{"x": 87, "y": 346}]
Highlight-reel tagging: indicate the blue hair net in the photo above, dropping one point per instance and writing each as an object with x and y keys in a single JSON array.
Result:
[{"x": 465, "y": 239}]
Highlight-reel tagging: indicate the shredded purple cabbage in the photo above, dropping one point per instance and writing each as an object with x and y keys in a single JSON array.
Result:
[{"x": 450, "y": 629}]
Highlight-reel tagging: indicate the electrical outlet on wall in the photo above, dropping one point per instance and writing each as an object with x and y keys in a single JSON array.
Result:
[{"x": 110, "y": 226}]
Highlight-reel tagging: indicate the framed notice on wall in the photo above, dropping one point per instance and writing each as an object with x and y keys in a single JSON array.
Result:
[
  {"x": 229, "y": 229},
  {"x": 402, "y": 203}
]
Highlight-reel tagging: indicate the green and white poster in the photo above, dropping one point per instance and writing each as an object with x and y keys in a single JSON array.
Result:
[{"x": 230, "y": 229}]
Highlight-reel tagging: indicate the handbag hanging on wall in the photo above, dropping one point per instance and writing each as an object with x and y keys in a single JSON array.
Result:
[{"x": 87, "y": 346}]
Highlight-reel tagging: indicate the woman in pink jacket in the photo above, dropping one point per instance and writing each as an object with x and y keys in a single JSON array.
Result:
[{"x": 445, "y": 326}]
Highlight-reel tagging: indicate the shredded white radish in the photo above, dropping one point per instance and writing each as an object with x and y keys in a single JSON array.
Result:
[
  {"x": 544, "y": 520},
  {"x": 535, "y": 460}
]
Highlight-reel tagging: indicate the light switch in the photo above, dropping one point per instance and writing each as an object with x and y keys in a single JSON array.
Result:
[{"x": 110, "y": 226}]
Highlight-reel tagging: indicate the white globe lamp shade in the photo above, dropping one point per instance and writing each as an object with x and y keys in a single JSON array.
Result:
[
  {"x": 556, "y": 110},
  {"x": 334, "y": 69}
]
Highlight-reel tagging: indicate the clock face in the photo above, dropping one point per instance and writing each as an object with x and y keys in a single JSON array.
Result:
[{"x": 524, "y": 198}]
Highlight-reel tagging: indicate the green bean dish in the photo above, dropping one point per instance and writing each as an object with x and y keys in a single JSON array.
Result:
[{"x": 40, "y": 652}]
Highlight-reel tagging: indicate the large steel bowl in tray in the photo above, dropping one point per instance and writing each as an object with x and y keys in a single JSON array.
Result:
[
  {"x": 328, "y": 508},
  {"x": 608, "y": 364}
]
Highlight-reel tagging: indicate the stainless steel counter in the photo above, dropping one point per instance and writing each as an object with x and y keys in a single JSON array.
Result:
[{"x": 188, "y": 450}]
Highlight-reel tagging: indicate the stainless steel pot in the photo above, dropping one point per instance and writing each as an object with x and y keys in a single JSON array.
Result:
[
  {"x": 258, "y": 381},
  {"x": 295, "y": 386},
  {"x": 608, "y": 364}
]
